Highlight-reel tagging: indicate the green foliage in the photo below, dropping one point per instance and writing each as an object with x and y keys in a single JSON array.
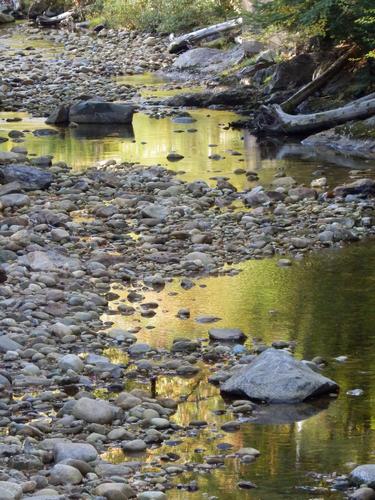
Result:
[
  {"x": 164, "y": 16},
  {"x": 338, "y": 20}
]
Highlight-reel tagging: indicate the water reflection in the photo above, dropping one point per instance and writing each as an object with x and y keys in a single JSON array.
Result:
[
  {"x": 152, "y": 140},
  {"x": 325, "y": 304}
]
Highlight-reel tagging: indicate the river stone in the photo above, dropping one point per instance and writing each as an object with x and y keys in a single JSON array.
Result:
[
  {"x": 8, "y": 344},
  {"x": 71, "y": 362},
  {"x": 363, "y": 494},
  {"x": 65, "y": 474},
  {"x": 30, "y": 178},
  {"x": 94, "y": 411},
  {"x": 154, "y": 211},
  {"x": 10, "y": 491},
  {"x": 360, "y": 186},
  {"x": 134, "y": 445},
  {"x": 100, "y": 112},
  {"x": 202, "y": 258},
  {"x": 49, "y": 261},
  {"x": 75, "y": 451},
  {"x": 152, "y": 495},
  {"x": 14, "y": 200},
  {"x": 276, "y": 377},
  {"x": 363, "y": 474},
  {"x": 115, "y": 491},
  {"x": 226, "y": 334}
]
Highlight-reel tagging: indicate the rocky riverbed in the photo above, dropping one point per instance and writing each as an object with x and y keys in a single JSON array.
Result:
[
  {"x": 80, "y": 394},
  {"x": 65, "y": 238},
  {"x": 76, "y": 64}
]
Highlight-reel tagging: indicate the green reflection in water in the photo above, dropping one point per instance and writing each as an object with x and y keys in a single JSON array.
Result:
[
  {"x": 327, "y": 305},
  {"x": 154, "y": 139},
  {"x": 153, "y": 85}
]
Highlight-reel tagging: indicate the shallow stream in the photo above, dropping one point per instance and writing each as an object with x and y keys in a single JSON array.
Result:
[{"x": 325, "y": 303}]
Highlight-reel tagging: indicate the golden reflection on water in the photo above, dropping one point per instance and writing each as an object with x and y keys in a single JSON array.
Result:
[
  {"x": 154, "y": 139},
  {"x": 325, "y": 304}
]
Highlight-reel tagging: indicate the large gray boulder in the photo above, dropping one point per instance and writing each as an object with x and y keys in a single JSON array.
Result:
[
  {"x": 206, "y": 60},
  {"x": 98, "y": 111},
  {"x": 276, "y": 377},
  {"x": 363, "y": 474},
  {"x": 30, "y": 178}
]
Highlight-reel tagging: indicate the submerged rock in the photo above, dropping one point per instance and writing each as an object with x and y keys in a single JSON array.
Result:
[{"x": 276, "y": 377}]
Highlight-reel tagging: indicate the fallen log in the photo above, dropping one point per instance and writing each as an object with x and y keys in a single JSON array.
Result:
[
  {"x": 273, "y": 120},
  {"x": 46, "y": 21},
  {"x": 290, "y": 104},
  {"x": 185, "y": 42}
]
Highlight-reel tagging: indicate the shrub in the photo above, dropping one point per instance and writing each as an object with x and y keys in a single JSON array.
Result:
[
  {"x": 164, "y": 16},
  {"x": 337, "y": 20}
]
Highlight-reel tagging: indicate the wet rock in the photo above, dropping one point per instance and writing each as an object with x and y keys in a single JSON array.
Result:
[
  {"x": 363, "y": 474},
  {"x": 94, "y": 410},
  {"x": 226, "y": 334},
  {"x": 173, "y": 156},
  {"x": 276, "y": 377},
  {"x": 99, "y": 112}
]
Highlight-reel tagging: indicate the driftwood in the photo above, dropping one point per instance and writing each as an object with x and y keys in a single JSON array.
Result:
[
  {"x": 290, "y": 104},
  {"x": 272, "y": 119},
  {"x": 185, "y": 42},
  {"x": 53, "y": 21}
]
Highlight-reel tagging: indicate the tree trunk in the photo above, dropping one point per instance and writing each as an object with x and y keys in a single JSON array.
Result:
[
  {"x": 185, "y": 42},
  {"x": 273, "y": 119},
  {"x": 290, "y": 104},
  {"x": 51, "y": 21}
]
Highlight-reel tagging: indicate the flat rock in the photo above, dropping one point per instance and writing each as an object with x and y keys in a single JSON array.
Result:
[
  {"x": 276, "y": 377},
  {"x": 94, "y": 411},
  {"x": 75, "y": 451},
  {"x": 226, "y": 334},
  {"x": 115, "y": 491}
]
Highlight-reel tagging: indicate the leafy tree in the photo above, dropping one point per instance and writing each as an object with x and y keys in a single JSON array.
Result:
[{"x": 337, "y": 20}]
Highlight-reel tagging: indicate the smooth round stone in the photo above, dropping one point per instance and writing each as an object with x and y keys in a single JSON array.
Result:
[
  {"x": 65, "y": 474},
  {"x": 135, "y": 445},
  {"x": 10, "y": 491},
  {"x": 160, "y": 423},
  {"x": 115, "y": 491},
  {"x": 71, "y": 362},
  {"x": 152, "y": 495},
  {"x": 94, "y": 411}
]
